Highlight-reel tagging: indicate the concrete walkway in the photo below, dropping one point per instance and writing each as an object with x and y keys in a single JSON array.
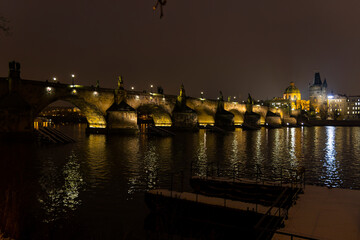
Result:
[{"x": 326, "y": 214}]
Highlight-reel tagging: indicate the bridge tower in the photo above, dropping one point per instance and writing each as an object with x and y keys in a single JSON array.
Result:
[{"x": 15, "y": 112}]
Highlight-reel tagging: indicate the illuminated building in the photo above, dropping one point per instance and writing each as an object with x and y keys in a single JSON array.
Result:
[
  {"x": 342, "y": 107},
  {"x": 318, "y": 95},
  {"x": 292, "y": 92},
  {"x": 353, "y": 107},
  {"x": 337, "y": 106},
  {"x": 291, "y": 100}
]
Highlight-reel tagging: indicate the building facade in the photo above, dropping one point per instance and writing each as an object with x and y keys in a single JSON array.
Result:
[
  {"x": 291, "y": 101},
  {"x": 318, "y": 96},
  {"x": 342, "y": 107}
]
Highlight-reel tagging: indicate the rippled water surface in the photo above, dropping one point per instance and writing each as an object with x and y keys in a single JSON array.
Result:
[{"x": 94, "y": 188}]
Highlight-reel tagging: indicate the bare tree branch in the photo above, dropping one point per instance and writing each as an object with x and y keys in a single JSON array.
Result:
[{"x": 160, "y": 3}]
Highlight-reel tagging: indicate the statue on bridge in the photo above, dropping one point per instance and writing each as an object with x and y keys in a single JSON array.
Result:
[
  {"x": 181, "y": 99},
  {"x": 220, "y": 107},
  {"x": 14, "y": 69},
  {"x": 249, "y": 104},
  {"x": 120, "y": 83}
]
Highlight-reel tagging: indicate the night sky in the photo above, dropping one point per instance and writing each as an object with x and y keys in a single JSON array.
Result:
[{"x": 236, "y": 46}]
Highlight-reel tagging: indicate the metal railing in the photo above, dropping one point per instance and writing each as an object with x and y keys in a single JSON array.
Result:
[{"x": 294, "y": 177}]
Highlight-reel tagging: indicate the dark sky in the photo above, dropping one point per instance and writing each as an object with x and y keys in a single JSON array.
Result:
[{"x": 236, "y": 46}]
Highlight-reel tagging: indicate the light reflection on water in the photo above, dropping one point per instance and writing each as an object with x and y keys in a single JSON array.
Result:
[
  {"x": 61, "y": 187},
  {"x": 331, "y": 168},
  {"x": 107, "y": 175}
]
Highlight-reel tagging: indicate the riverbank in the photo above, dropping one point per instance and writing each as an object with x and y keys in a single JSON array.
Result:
[
  {"x": 350, "y": 123},
  {"x": 325, "y": 213}
]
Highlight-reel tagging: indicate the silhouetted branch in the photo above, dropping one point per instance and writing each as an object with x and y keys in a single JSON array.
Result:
[{"x": 160, "y": 3}]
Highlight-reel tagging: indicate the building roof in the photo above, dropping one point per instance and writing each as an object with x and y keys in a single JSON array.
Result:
[
  {"x": 317, "y": 79},
  {"x": 291, "y": 89}
]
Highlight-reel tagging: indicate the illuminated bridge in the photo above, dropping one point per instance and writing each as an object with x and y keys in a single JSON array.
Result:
[{"x": 119, "y": 109}]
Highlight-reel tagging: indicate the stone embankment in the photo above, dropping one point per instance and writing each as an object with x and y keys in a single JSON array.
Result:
[{"x": 326, "y": 214}]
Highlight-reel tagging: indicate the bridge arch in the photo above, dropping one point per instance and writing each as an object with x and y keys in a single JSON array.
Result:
[
  {"x": 238, "y": 117},
  {"x": 94, "y": 117},
  {"x": 155, "y": 113}
]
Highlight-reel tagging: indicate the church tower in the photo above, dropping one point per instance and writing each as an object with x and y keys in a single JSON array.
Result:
[{"x": 318, "y": 94}]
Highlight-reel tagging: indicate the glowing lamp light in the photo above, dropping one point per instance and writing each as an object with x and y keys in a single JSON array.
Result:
[
  {"x": 330, "y": 97},
  {"x": 72, "y": 75},
  {"x": 287, "y": 124},
  {"x": 49, "y": 89},
  {"x": 151, "y": 85},
  {"x": 54, "y": 78},
  {"x": 73, "y": 92},
  {"x": 132, "y": 88},
  {"x": 95, "y": 93}
]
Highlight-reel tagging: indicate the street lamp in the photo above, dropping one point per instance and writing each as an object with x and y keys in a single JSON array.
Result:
[
  {"x": 73, "y": 79},
  {"x": 54, "y": 78},
  {"x": 132, "y": 88}
]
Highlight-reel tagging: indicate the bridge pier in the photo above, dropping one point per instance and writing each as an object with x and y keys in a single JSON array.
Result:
[{"x": 121, "y": 118}]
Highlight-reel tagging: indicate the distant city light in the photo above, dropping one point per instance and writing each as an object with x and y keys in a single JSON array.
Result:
[
  {"x": 151, "y": 85},
  {"x": 54, "y": 78},
  {"x": 132, "y": 88},
  {"x": 72, "y": 75},
  {"x": 74, "y": 91}
]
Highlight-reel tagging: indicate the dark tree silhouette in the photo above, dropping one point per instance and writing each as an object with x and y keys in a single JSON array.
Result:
[{"x": 159, "y": 3}]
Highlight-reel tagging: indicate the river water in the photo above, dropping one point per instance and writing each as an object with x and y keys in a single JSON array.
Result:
[{"x": 94, "y": 188}]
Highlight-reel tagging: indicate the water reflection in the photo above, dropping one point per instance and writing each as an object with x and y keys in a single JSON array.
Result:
[
  {"x": 60, "y": 188},
  {"x": 234, "y": 157},
  {"x": 95, "y": 186},
  {"x": 97, "y": 161},
  {"x": 151, "y": 159},
  {"x": 331, "y": 177},
  {"x": 201, "y": 168}
]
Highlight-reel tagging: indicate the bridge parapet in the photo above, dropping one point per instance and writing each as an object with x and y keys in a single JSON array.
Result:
[{"x": 94, "y": 102}]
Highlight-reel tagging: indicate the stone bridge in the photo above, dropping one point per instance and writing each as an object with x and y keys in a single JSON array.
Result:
[{"x": 22, "y": 100}]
